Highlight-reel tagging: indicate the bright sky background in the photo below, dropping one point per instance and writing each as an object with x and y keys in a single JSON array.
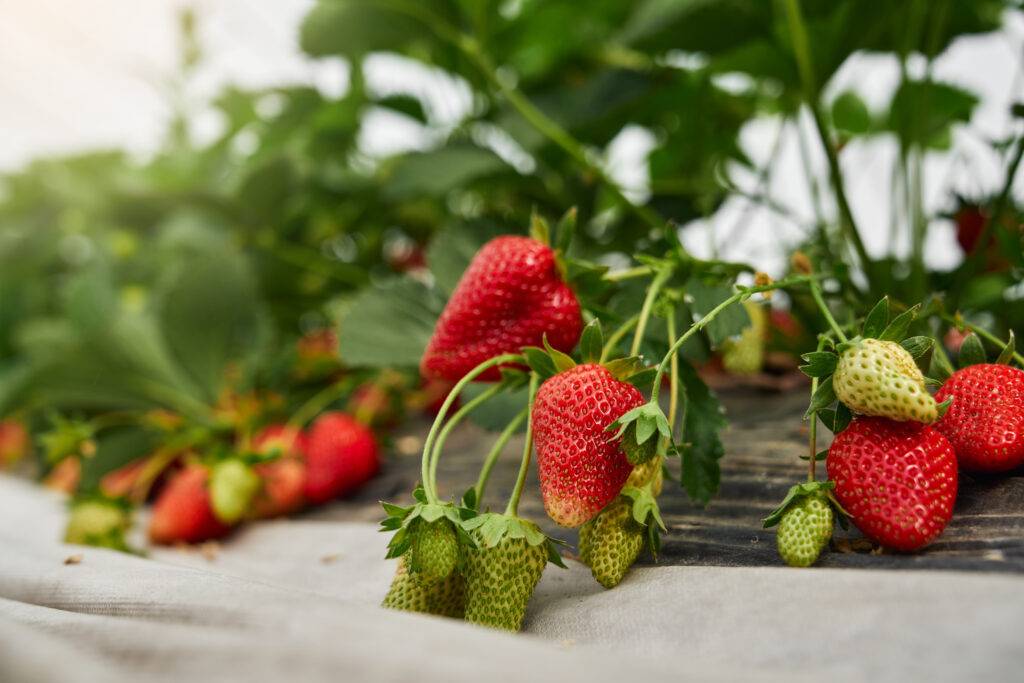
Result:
[{"x": 80, "y": 75}]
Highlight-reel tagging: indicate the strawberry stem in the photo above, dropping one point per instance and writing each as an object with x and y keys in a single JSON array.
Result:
[
  {"x": 820, "y": 301},
  {"x": 712, "y": 314},
  {"x": 812, "y": 439},
  {"x": 443, "y": 412},
  {"x": 617, "y": 335},
  {"x": 513, "y": 502},
  {"x": 496, "y": 449},
  {"x": 673, "y": 401},
  {"x": 459, "y": 415},
  {"x": 627, "y": 274},
  {"x": 645, "y": 312}
]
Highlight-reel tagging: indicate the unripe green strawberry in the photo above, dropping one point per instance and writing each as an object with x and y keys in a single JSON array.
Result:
[
  {"x": 500, "y": 581},
  {"x": 880, "y": 378},
  {"x": 638, "y": 454},
  {"x": 804, "y": 531},
  {"x": 99, "y": 523},
  {"x": 233, "y": 485},
  {"x": 435, "y": 550},
  {"x": 745, "y": 356},
  {"x": 412, "y": 593},
  {"x": 611, "y": 542},
  {"x": 648, "y": 472}
]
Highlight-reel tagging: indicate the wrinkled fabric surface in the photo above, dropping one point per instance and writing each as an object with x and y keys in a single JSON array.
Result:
[{"x": 298, "y": 599}]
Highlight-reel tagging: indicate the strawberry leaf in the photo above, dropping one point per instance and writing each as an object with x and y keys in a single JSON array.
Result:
[
  {"x": 819, "y": 363},
  {"x": 897, "y": 329},
  {"x": 1006, "y": 355},
  {"x": 592, "y": 342},
  {"x": 565, "y": 230},
  {"x": 703, "y": 448},
  {"x": 877, "y": 319},
  {"x": 971, "y": 351},
  {"x": 539, "y": 229},
  {"x": 623, "y": 369},
  {"x": 940, "y": 367}
]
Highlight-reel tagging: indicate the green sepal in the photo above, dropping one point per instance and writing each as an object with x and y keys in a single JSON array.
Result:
[
  {"x": 917, "y": 347},
  {"x": 941, "y": 408},
  {"x": 562, "y": 361},
  {"x": 972, "y": 352},
  {"x": 877, "y": 320},
  {"x": 404, "y": 520},
  {"x": 649, "y": 419},
  {"x": 623, "y": 369},
  {"x": 823, "y": 397},
  {"x": 565, "y": 229},
  {"x": 897, "y": 329},
  {"x": 940, "y": 368},
  {"x": 836, "y": 419},
  {"x": 645, "y": 507},
  {"x": 539, "y": 361},
  {"x": 469, "y": 498},
  {"x": 539, "y": 229},
  {"x": 795, "y": 493},
  {"x": 492, "y": 528},
  {"x": 1006, "y": 355},
  {"x": 819, "y": 363},
  {"x": 818, "y": 457},
  {"x": 592, "y": 342}
]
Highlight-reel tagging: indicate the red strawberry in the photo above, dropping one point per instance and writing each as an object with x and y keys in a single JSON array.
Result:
[
  {"x": 341, "y": 455},
  {"x": 582, "y": 468},
  {"x": 897, "y": 480},
  {"x": 182, "y": 512},
  {"x": 970, "y": 220},
  {"x": 510, "y": 297},
  {"x": 283, "y": 482},
  {"x": 14, "y": 442},
  {"x": 120, "y": 482},
  {"x": 985, "y": 422}
]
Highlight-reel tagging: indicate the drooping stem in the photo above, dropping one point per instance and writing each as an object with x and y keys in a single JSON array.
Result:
[
  {"x": 673, "y": 401},
  {"x": 428, "y": 445},
  {"x": 617, "y": 335},
  {"x": 645, "y": 311},
  {"x": 495, "y": 453},
  {"x": 820, "y": 301},
  {"x": 627, "y": 274},
  {"x": 315, "y": 405},
  {"x": 712, "y": 314},
  {"x": 524, "y": 466},
  {"x": 459, "y": 415}
]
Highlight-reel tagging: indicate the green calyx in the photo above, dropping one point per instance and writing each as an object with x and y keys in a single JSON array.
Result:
[
  {"x": 233, "y": 485},
  {"x": 637, "y": 430},
  {"x": 429, "y": 535},
  {"x": 798, "y": 492},
  {"x": 490, "y": 529}
]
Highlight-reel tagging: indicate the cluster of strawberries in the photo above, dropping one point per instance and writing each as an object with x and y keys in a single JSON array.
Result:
[
  {"x": 893, "y": 469},
  {"x": 466, "y": 562},
  {"x": 284, "y": 470}
]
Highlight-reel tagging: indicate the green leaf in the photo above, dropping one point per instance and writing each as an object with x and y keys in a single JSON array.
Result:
[
  {"x": 877, "y": 319},
  {"x": 1006, "y": 355},
  {"x": 437, "y": 172},
  {"x": 623, "y": 369},
  {"x": 943, "y": 407},
  {"x": 353, "y": 28},
  {"x": 972, "y": 352},
  {"x": 850, "y": 115},
  {"x": 389, "y": 325},
  {"x": 819, "y": 363},
  {"x": 940, "y": 368},
  {"x": 822, "y": 398},
  {"x": 565, "y": 230},
  {"x": 897, "y": 329},
  {"x": 730, "y": 322},
  {"x": 592, "y": 342},
  {"x": 703, "y": 448},
  {"x": 539, "y": 229},
  {"x": 923, "y": 112},
  {"x": 917, "y": 346}
]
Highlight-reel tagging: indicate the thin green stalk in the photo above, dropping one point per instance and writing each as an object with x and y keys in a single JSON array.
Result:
[
  {"x": 428, "y": 445},
  {"x": 627, "y": 274},
  {"x": 524, "y": 466},
  {"x": 617, "y": 335},
  {"x": 820, "y": 300},
  {"x": 712, "y": 314},
  {"x": 645, "y": 311},
  {"x": 673, "y": 401},
  {"x": 802, "y": 52},
  {"x": 496, "y": 450},
  {"x": 320, "y": 400},
  {"x": 812, "y": 439},
  {"x": 459, "y": 415}
]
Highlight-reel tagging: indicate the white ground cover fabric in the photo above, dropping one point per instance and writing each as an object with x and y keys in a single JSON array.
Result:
[{"x": 297, "y": 600}]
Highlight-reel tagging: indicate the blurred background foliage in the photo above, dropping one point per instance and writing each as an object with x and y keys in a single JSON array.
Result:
[{"x": 207, "y": 273}]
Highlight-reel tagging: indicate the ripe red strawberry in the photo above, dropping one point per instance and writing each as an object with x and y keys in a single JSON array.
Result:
[
  {"x": 970, "y": 220},
  {"x": 14, "y": 442},
  {"x": 120, "y": 482},
  {"x": 341, "y": 455},
  {"x": 510, "y": 297},
  {"x": 283, "y": 482},
  {"x": 897, "y": 480},
  {"x": 183, "y": 513},
  {"x": 582, "y": 468},
  {"x": 985, "y": 422}
]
